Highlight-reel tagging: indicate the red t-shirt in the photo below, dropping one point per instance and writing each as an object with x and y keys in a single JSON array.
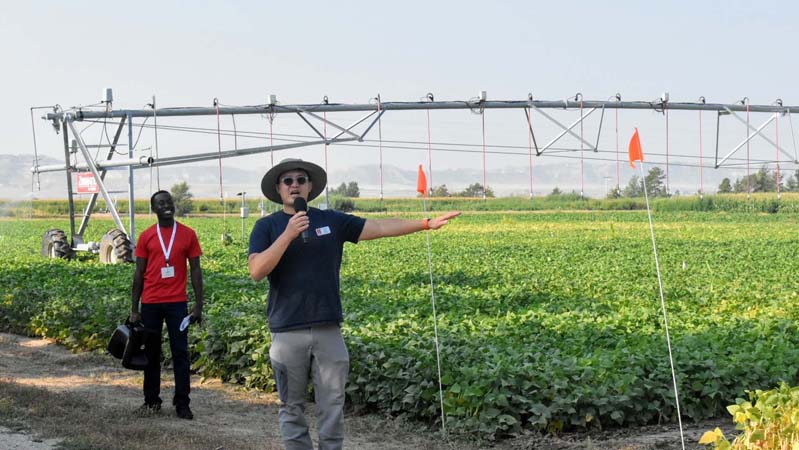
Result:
[{"x": 166, "y": 290}]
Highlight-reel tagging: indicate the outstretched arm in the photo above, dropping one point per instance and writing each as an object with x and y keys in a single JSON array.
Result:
[{"x": 379, "y": 228}]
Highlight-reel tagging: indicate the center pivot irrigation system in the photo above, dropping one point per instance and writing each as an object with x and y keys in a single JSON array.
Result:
[{"x": 117, "y": 244}]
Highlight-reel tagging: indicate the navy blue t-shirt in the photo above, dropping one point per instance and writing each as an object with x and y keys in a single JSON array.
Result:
[{"x": 304, "y": 286}]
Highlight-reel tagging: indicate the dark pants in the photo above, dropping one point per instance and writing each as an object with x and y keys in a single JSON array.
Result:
[{"x": 153, "y": 316}]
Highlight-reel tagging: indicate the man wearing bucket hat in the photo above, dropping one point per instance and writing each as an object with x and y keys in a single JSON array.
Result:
[{"x": 300, "y": 252}]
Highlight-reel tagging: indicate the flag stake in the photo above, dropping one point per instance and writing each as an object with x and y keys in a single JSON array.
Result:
[
  {"x": 421, "y": 187},
  {"x": 636, "y": 154}
]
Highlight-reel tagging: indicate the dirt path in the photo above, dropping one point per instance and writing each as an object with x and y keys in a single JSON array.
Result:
[
  {"x": 12, "y": 440},
  {"x": 88, "y": 400}
]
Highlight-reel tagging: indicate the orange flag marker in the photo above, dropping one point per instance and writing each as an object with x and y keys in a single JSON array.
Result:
[
  {"x": 636, "y": 153},
  {"x": 421, "y": 182}
]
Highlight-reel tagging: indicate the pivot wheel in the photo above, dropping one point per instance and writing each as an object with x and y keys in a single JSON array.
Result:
[
  {"x": 115, "y": 247},
  {"x": 56, "y": 245}
]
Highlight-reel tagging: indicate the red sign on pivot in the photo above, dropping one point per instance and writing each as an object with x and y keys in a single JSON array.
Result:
[{"x": 87, "y": 184}]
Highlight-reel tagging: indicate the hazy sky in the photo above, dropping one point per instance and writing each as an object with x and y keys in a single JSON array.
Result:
[{"x": 187, "y": 53}]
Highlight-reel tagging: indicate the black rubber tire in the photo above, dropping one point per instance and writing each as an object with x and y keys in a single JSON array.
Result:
[
  {"x": 56, "y": 245},
  {"x": 115, "y": 247}
]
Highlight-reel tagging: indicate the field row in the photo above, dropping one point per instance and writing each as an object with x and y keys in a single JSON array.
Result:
[
  {"x": 546, "y": 320},
  {"x": 758, "y": 202}
]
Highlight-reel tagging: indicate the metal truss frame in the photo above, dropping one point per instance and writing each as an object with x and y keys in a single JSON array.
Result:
[
  {"x": 757, "y": 132},
  {"x": 64, "y": 121}
]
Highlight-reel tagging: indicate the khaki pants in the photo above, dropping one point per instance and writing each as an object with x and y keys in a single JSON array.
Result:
[{"x": 318, "y": 353}]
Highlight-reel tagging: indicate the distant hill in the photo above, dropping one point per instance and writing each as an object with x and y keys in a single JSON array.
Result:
[{"x": 203, "y": 178}]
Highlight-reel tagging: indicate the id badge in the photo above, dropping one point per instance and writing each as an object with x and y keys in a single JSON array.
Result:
[{"x": 168, "y": 272}]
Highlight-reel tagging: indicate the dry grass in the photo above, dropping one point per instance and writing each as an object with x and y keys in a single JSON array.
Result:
[{"x": 89, "y": 401}]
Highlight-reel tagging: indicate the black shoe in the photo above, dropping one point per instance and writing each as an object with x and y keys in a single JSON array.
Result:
[
  {"x": 184, "y": 412},
  {"x": 148, "y": 409}
]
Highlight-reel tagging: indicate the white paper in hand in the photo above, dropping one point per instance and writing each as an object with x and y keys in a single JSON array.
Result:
[{"x": 185, "y": 323}]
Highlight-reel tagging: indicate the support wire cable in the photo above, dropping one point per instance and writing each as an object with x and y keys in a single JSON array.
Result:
[
  {"x": 701, "y": 181},
  {"x": 666, "y": 113},
  {"x": 618, "y": 170},
  {"x": 563, "y": 153},
  {"x": 430, "y": 98},
  {"x": 37, "y": 178},
  {"x": 528, "y": 113},
  {"x": 263, "y": 135},
  {"x": 748, "y": 138},
  {"x": 777, "y": 180},
  {"x": 466, "y": 145},
  {"x": 793, "y": 137},
  {"x": 423, "y": 147},
  {"x": 483, "y": 121},
  {"x": 138, "y": 136},
  {"x": 380, "y": 142},
  {"x": 221, "y": 188},
  {"x": 582, "y": 161},
  {"x": 550, "y": 151}
]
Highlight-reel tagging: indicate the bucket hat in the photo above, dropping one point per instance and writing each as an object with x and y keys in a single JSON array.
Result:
[{"x": 316, "y": 174}]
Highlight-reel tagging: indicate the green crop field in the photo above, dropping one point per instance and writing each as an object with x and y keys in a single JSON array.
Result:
[
  {"x": 766, "y": 202},
  {"x": 547, "y": 320}
]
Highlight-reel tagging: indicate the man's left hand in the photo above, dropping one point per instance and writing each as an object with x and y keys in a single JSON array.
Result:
[{"x": 196, "y": 314}]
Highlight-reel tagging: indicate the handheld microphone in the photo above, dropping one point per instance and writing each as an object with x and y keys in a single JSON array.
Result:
[{"x": 301, "y": 205}]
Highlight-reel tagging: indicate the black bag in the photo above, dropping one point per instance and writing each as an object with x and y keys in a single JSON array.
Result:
[{"x": 129, "y": 343}]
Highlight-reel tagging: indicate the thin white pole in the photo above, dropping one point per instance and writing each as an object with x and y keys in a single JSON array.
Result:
[
  {"x": 662, "y": 304},
  {"x": 157, "y": 156},
  {"x": 435, "y": 326}
]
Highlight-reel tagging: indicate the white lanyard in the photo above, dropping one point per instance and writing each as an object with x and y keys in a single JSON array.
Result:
[{"x": 167, "y": 251}]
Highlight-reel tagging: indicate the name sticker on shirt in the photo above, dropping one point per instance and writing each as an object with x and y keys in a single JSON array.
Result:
[
  {"x": 322, "y": 231},
  {"x": 168, "y": 272}
]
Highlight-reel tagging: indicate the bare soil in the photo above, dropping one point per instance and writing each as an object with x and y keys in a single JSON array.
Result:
[{"x": 52, "y": 398}]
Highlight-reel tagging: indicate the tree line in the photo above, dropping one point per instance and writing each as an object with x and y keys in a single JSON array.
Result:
[
  {"x": 351, "y": 190},
  {"x": 761, "y": 181}
]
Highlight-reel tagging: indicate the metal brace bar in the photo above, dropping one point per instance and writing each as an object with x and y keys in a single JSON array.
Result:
[
  {"x": 599, "y": 131},
  {"x": 793, "y": 138},
  {"x": 355, "y": 124},
  {"x": 565, "y": 129},
  {"x": 311, "y": 125},
  {"x": 88, "y": 212},
  {"x": 240, "y": 152},
  {"x": 327, "y": 122},
  {"x": 145, "y": 162},
  {"x": 527, "y": 113},
  {"x": 718, "y": 126},
  {"x": 87, "y": 156},
  {"x": 363, "y": 135},
  {"x": 334, "y": 125}
]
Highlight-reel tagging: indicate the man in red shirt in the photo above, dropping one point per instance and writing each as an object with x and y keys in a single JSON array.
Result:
[{"x": 160, "y": 283}]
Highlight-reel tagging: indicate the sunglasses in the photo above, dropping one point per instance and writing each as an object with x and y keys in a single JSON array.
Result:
[{"x": 288, "y": 181}]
